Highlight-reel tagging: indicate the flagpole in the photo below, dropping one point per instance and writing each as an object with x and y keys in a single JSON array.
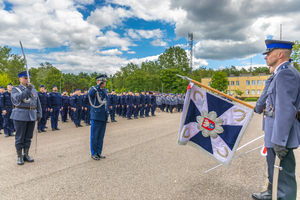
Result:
[{"x": 216, "y": 91}]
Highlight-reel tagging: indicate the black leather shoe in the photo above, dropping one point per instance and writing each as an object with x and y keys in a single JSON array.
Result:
[
  {"x": 26, "y": 156},
  {"x": 46, "y": 127},
  {"x": 20, "y": 157},
  {"x": 57, "y": 129},
  {"x": 266, "y": 195},
  {"x": 53, "y": 129},
  {"x": 39, "y": 131},
  {"x": 11, "y": 134},
  {"x": 115, "y": 121},
  {"x": 79, "y": 125},
  {"x": 101, "y": 156},
  {"x": 95, "y": 157},
  {"x": 43, "y": 130},
  {"x": 129, "y": 118}
]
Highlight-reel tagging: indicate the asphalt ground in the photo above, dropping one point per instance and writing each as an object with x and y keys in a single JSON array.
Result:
[{"x": 143, "y": 161}]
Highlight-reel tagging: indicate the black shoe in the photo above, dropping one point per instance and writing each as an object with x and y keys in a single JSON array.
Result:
[
  {"x": 43, "y": 130},
  {"x": 129, "y": 118},
  {"x": 53, "y": 129},
  {"x": 153, "y": 115},
  {"x": 39, "y": 131},
  {"x": 87, "y": 124},
  {"x": 46, "y": 127},
  {"x": 57, "y": 129},
  {"x": 20, "y": 157},
  {"x": 26, "y": 156},
  {"x": 115, "y": 121},
  {"x": 266, "y": 195},
  {"x": 6, "y": 135},
  {"x": 11, "y": 134},
  {"x": 95, "y": 157},
  {"x": 112, "y": 121},
  {"x": 79, "y": 125},
  {"x": 107, "y": 121},
  {"x": 101, "y": 156}
]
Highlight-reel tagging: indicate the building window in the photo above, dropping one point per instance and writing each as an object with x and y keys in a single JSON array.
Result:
[
  {"x": 247, "y": 91},
  {"x": 264, "y": 82},
  {"x": 258, "y": 92},
  {"x": 208, "y": 83},
  {"x": 258, "y": 82},
  {"x": 247, "y": 82},
  {"x": 252, "y": 91},
  {"x": 237, "y": 82},
  {"x": 253, "y": 82},
  {"x": 228, "y": 92},
  {"x": 232, "y": 82}
]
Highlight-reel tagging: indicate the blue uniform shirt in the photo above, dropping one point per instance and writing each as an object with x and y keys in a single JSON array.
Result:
[
  {"x": 55, "y": 99},
  {"x": 99, "y": 110}
]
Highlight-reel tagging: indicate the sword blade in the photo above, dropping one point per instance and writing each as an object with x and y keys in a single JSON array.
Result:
[{"x": 28, "y": 77}]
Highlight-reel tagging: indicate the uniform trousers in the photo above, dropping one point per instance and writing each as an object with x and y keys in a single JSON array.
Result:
[
  {"x": 87, "y": 115},
  {"x": 77, "y": 115},
  {"x": 153, "y": 107},
  {"x": 112, "y": 112},
  {"x": 142, "y": 110},
  {"x": 54, "y": 116},
  {"x": 8, "y": 124},
  {"x": 43, "y": 121},
  {"x": 24, "y": 133},
  {"x": 147, "y": 110},
  {"x": 97, "y": 135},
  {"x": 163, "y": 107},
  {"x": 287, "y": 186},
  {"x": 129, "y": 111},
  {"x": 135, "y": 111},
  {"x": 64, "y": 113}
]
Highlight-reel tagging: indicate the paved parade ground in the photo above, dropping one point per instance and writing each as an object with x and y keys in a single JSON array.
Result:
[{"x": 143, "y": 161}]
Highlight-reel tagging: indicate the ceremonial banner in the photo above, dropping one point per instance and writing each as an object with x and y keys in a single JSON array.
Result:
[{"x": 212, "y": 124}]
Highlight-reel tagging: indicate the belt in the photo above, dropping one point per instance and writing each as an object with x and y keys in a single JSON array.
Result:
[
  {"x": 78, "y": 105},
  {"x": 44, "y": 105},
  {"x": 27, "y": 108},
  {"x": 9, "y": 106},
  {"x": 55, "y": 105},
  {"x": 65, "y": 104},
  {"x": 272, "y": 114}
]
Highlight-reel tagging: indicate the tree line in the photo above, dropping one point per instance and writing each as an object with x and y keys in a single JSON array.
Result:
[{"x": 157, "y": 75}]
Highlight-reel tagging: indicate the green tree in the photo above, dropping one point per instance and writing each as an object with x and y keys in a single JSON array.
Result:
[
  {"x": 296, "y": 55},
  {"x": 83, "y": 84},
  {"x": 53, "y": 78},
  {"x": 239, "y": 92},
  {"x": 4, "y": 80},
  {"x": 219, "y": 81},
  {"x": 175, "y": 58},
  {"x": 173, "y": 83}
]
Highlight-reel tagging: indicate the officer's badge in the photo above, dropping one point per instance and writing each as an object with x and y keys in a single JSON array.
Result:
[{"x": 209, "y": 124}]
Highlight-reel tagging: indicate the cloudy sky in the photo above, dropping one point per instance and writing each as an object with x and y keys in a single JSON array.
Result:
[{"x": 102, "y": 36}]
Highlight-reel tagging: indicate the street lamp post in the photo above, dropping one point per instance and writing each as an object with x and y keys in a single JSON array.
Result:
[{"x": 60, "y": 84}]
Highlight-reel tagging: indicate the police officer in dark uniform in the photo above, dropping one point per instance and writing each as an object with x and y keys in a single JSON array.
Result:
[
  {"x": 282, "y": 129},
  {"x": 142, "y": 104},
  {"x": 123, "y": 103},
  {"x": 147, "y": 104},
  {"x": 153, "y": 104},
  {"x": 65, "y": 105},
  {"x": 87, "y": 108},
  {"x": 27, "y": 110},
  {"x": 1, "y": 120},
  {"x": 99, "y": 116},
  {"x": 129, "y": 105},
  {"x": 44, "y": 103},
  {"x": 136, "y": 103},
  {"x": 7, "y": 108},
  {"x": 112, "y": 106},
  {"x": 55, "y": 106},
  {"x": 77, "y": 107}
]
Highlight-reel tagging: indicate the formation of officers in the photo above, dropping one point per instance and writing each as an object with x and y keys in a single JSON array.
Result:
[{"x": 77, "y": 106}]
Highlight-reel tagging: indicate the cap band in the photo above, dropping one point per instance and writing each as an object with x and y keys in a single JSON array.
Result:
[{"x": 280, "y": 46}]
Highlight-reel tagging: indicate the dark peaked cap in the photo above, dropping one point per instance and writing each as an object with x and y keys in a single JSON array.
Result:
[{"x": 277, "y": 44}]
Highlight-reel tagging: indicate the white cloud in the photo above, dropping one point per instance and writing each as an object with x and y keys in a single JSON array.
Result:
[
  {"x": 131, "y": 52},
  {"x": 146, "y": 34},
  {"x": 158, "y": 42},
  {"x": 111, "y": 52},
  {"x": 152, "y": 9},
  {"x": 108, "y": 16}
]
